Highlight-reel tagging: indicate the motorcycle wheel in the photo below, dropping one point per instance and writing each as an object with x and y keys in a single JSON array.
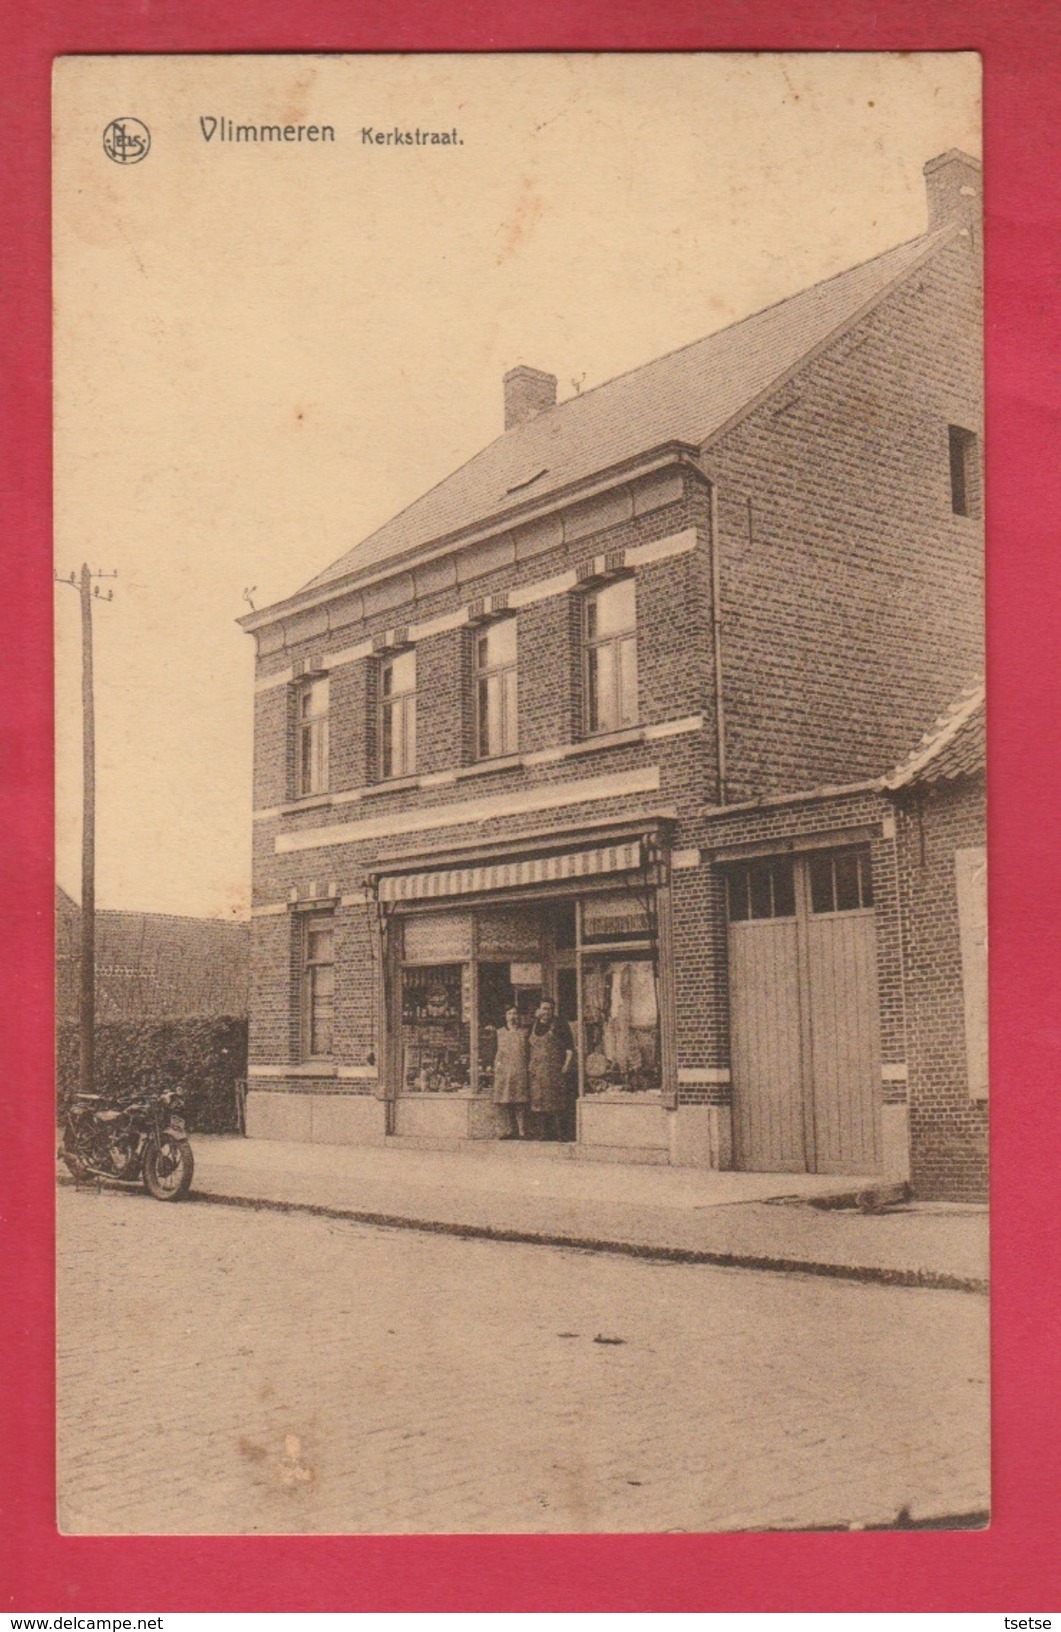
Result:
[{"x": 168, "y": 1169}]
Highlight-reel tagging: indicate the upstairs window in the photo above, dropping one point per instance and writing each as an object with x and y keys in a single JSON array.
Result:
[
  {"x": 318, "y": 986},
  {"x": 610, "y": 634},
  {"x": 496, "y": 720},
  {"x": 311, "y": 770},
  {"x": 964, "y": 471},
  {"x": 397, "y": 726}
]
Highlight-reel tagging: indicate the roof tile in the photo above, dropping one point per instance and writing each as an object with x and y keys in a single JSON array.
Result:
[{"x": 686, "y": 396}]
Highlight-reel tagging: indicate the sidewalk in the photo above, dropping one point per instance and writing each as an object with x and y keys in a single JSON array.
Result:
[{"x": 528, "y": 1193}]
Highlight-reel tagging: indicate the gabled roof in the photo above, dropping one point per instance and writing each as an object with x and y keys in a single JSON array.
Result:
[
  {"x": 687, "y": 396},
  {"x": 955, "y": 746}
]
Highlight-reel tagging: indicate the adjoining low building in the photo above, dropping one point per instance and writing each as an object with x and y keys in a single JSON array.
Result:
[
  {"x": 939, "y": 796},
  {"x": 171, "y": 1005},
  {"x": 605, "y": 717}
]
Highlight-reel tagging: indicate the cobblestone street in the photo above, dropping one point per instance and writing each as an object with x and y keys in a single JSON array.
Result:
[{"x": 227, "y": 1370}]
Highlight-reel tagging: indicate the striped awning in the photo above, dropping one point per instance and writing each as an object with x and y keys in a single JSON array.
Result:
[{"x": 518, "y": 873}]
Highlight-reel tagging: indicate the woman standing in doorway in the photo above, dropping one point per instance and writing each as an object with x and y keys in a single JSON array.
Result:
[
  {"x": 552, "y": 1054},
  {"x": 511, "y": 1074}
]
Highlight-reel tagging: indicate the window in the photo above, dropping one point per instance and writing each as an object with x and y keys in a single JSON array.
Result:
[
  {"x": 398, "y": 715},
  {"x": 496, "y": 728},
  {"x": 312, "y": 761},
  {"x": 611, "y": 657},
  {"x": 964, "y": 471},
  {"x": 436, "y": 1028},
  {"x": 841, "y": 882},
  {"x": 318, "y": 986},
  {"x": 619, "y": 990},
  {"x": 761, "y": 889}
]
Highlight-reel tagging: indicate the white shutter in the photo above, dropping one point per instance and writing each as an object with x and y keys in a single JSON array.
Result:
[{"x": 970, "y": 868}]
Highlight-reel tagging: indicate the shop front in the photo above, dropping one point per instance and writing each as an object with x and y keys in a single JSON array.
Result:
[{"x": 585, "y": 931}]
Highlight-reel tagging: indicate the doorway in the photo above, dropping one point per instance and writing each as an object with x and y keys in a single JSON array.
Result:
[{"x": 804, "y": 1013}]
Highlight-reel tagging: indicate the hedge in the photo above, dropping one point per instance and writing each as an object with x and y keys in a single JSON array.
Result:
[{"x": 205, "y": 1057}]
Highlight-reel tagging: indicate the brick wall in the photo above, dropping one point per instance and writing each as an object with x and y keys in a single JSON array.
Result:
[
  {"x": 353, "y": 702},
  {"x": 851, "y": 594},
  {"x": 549, "y": 673},
  {"x": 948, "y": 1130}
]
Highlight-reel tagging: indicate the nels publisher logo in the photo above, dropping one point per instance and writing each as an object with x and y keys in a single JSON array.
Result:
[{"x": 126, "y": 141}]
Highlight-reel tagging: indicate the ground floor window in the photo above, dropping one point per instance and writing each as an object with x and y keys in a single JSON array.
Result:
[
  {"x": 436, "y": 1029},
  {"x": 620, "y": 1024},
  {"x": 318, "y": 986}
]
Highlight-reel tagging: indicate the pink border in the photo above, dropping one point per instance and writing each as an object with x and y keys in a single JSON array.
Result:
[{"x": 1014, "y": 1566}]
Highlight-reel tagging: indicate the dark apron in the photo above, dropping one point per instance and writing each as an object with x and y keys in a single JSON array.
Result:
[{"x": 547, "y": 1088}]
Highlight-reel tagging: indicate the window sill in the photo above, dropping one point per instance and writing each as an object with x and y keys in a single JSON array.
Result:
[
  {"x": 313, "y": 1068},
  {"x": 435, "y": 1094},
  {"x": 625, "y": 1096},
  {"x": 308, "y": 801},
  {"x": 487, "y": 767},
  {"x": 610, "y": 739},
  {"x": 393, "y": 784}
]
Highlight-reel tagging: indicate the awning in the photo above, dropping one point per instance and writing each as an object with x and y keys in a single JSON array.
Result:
[{"x": 516, "y": 874}]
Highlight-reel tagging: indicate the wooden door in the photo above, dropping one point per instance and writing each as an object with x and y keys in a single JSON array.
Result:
[
  {"x": 804, "y": 1014},
  {"x": 767, "y": 1054},
  {"x": 844, "y": 1075}
]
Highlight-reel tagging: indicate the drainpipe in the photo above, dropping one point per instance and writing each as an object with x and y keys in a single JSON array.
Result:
[{"x": 716, "y": 640}]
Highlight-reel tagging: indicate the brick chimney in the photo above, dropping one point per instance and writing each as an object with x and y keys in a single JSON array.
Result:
[
  {"x": 955, "y": 190},
  {"x": 528, "y": 392}
]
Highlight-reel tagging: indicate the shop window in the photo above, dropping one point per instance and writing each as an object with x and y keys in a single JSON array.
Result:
[
  {"x": 761, "y": 889},
  {"x": 436, "y": 1029},
  {"x": 610, "y": 634},
  {"x": 964, "y": 449},
  {"x": 841, "y": 881},
  {"x": 397, "y": 725},
  {"x": 496, "y": 687},
  {"x": 311, "y": 758},
  {"x": 318, "y": 986},
  {"x": 620, "y": 1024}
]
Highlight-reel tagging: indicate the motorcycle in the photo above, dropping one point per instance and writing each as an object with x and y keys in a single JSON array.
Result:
[{"x": 142, "y": 1137}]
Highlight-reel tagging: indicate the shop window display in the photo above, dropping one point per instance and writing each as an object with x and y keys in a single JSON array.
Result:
[
  {"x": 620, "y": 1025},
  {"x": 436, "y": 1029}
]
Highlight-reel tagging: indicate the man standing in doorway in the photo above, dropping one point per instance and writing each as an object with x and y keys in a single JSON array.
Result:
[{"x": 551, "y": 1079}]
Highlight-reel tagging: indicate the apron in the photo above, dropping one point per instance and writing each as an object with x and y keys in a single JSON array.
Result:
[
  {"x": 548, "y": 1093},
  {"x": 510, "y": 1068}
]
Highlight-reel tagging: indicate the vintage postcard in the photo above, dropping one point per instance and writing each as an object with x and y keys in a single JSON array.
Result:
[{"x": 521, "y": 885}]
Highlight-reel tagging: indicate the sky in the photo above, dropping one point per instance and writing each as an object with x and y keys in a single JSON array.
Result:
[{"x": 262, "y": 352}]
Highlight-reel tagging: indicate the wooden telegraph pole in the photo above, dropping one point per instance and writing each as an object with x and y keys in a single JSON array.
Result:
[{"x": 89, "y": 591}]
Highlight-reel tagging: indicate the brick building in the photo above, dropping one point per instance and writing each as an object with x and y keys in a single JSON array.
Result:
[
  {"x": 607, "y": 715},
  {"x": 939, "y": 799},
  {"x": 152, "y": 967}
]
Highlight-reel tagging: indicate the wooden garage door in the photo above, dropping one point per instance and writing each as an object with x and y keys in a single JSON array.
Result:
[{"x": 804, "y": 1014}]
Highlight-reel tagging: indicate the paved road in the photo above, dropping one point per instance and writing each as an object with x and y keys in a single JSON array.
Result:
[{"x": 224, "y": 1370}]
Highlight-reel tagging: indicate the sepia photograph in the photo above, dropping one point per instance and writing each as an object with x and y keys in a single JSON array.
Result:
[{"x": 521, "y": 892}]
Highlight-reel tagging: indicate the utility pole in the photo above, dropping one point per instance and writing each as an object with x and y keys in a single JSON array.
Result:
[{"x": 89, "y": 591}]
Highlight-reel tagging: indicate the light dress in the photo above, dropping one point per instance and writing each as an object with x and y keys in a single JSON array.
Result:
[{"x": 510, "y": 1067}]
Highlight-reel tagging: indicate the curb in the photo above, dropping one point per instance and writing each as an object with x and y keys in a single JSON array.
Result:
[{"x": 930, "y": 1279}]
